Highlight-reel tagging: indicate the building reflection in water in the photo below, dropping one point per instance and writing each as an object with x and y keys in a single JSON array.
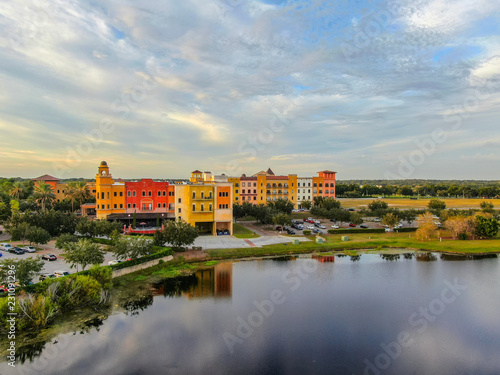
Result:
[{"x": 213, "y": 282}]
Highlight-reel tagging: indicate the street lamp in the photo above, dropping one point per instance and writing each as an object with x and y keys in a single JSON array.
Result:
[{"x": 129, "y": 220}]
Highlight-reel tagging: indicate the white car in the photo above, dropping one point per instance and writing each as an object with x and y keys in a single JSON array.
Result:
[
  {"x": 29, "y": 249},
  {"x": 310, "y": 227},
  {"x": 5, "y": 246},
  {"x": 322, "y": 226},
  {"x": 111, "y": 262},
  {"x": 335, "y": 227},
  {"x": 61, "y": 273}
]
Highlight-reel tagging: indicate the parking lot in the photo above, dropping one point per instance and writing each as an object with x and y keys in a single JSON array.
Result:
[{"x": 49, "y": 267}]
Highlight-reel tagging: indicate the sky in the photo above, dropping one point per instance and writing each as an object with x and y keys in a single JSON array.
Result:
[{"x": 369, "y": 89}]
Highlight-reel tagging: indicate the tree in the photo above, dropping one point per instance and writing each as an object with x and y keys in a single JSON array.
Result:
[
  {"x": 37, "y": 236},
  {"x": 25, "y": 269},
  {"x": 86, "y": 227},
  {"x": 391, "y": 220},
  {"x": 44, "y": 195},
  {"x": 282, "y": 205},
  {"x": 64, "y": 239},
  {"x": 409, "y": 215},
  {"x": 14, "y": 206},
  {"x": 436, "y": 205},
  {"x": 16, "y": 190},
  {"x": 77, "y": 191},
  {"x": 427, "y": 228},
  {"x": 486, "y": 227},
  {"x": 339, "y": 215},
  {"x": 132, "y": 246},
  {"x": 179, "y": 233},
  {"x": 487, "y": 207},
  {"x": 378, "y": 205},
  {"x": 457, "y": 225},
  {"x": 330, "y": 203},
  {"x": 83, "y": 253},
  {"x": 306, "y": 205},
  {"x": 281, "y": 219},
  {"x": 19, "y": 232},
  {"x": 355, "y": 218}
]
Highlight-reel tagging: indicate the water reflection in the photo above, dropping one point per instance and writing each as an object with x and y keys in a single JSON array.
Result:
[
  {"x": 390, "y": 257},
  {"x": 454, "y": 257},
  {"x": 136, "y": 304},
  {"x": 425, "y": 257}
]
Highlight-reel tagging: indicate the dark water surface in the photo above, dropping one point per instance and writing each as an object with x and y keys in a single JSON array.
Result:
[{"x": 424, "y": 314}]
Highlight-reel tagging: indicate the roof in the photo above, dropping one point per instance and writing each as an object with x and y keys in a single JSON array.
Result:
[
  {"x": 196, "y": 171},
  {"x": 277, "y": 178},
  {"x": 270, "y": 171},
  {"x": 326, "y": 171},
  {"x": 46, "y": 177}
]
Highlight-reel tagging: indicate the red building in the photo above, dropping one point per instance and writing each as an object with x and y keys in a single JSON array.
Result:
[{"x": 147, "y": 196}]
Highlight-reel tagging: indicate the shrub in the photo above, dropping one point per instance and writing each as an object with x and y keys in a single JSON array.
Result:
[
  {"x": 463, "y": 236},
  {"x": 347, "y": 231},
  {"x": 133, "y": 262},
  {"x": 307, "y": 233}
]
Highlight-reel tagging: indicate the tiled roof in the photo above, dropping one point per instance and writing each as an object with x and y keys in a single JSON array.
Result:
[{"x": 46, "y": 177}]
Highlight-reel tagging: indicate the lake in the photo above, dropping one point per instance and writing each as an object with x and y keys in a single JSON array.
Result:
[{"x": 370, "y": 314}]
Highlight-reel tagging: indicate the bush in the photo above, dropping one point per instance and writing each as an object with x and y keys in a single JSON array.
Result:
[
  {"x": 133, "y": 262},
  {"x": 402, "y": 230},
  {"x": 347, "y": 231},
  {"x": 463, "y": 236},
  {"x": 307, "y": 233},
  {"x": 102, "y": 241}
]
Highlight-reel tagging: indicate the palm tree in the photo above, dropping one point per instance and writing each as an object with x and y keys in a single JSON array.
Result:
[
  {"x": 44, "y": 195},
  {"x": 77, "y": 190},
  {"x": 16, "y": 190}
]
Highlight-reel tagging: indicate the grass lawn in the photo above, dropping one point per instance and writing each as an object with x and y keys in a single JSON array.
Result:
[
  {"x": 415, "y": 203},
  {"x": 364, "y": 241},
  {"x": 239, "y": 231}
]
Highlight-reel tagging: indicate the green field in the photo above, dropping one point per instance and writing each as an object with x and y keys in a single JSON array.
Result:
[
  {"x": 364, "y": 241},
  {"x": 239, "y": 231}
]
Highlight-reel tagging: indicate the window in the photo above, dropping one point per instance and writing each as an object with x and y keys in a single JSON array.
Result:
[
  {"x": 254, "y": 198},
  {"x": 243, "y": 191},
  {"x": 121, "y": 205},
  {"x": 170, "y": 206},
  {"x": 150, "y": 193},
  {"x": 236, "y": 191},
  {"x": 164, "y": 193},
  {"x": 170, "y": 193},
  {"x": 210, "y": 207},
  {"x": 128, "y": 205},
  {"x": 121, "y": 193},
  {"x": 326, "y": 184},
  {"x": 164, "y": 205},
  {"x": 108, "y": 195},
  {"x": 194, "y": 195},
  {"x": 134, "y": 194},
  {"x": 243, "y": 184},
  {"x": 159, "y": 205},
  {"x": 143, "y": 193},
  {"x": 58, "y": 191},
  {"x": 236, "y": 198},
  {"x": 315, "y": 184},
  {"x": 254, "y": 191},
  {"x": 115, "y": 194},
  {"x": 194, "y": 207},
  {"x": 159, "y": 193},
  {"x": 115, "y": 206},
  {"x": 237, "y": 185},
  {"x": 179, "y": 211},
  {"x": 134, "y": 206},
  {"x": 102, "y": 195},
  {"x": 308, "y": 184},
  {"x": 242, "y": 198},
  {"x": 202, "y": 195},
  {"x": 202, "y": 207},
  {"x": 320, "y": 191},
  {"x": 108, "y": 206},
  {"x": 320, "y": 184},
  {"x": 179, "y": 200},
  {"x": 102, "y": 207}
]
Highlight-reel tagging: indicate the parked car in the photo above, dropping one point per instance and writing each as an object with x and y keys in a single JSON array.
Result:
[
  {"x": 351, "y": 209},
  {"x": 114, "y": 261},
  {"x": 310, "y": 227},
  {"x": 49, "y": 257},
  {"x": 29, "y": 249},
  {"x": 44, "y": 276},
  {"x": 61, "y": 273},
  {"x": 352, "y": 225},
  {"x": 335, "y": 227},
  {"x": 321, "y": 226},
  {"x": 317, "y": 231},
  {"x": 279, "y": 227},
  {"x": 5, "y": 246},
  {"x": 363, "y": 226},
  {"x": 290, "y": 231},
  {"x": 16, "y": 250},
  {"x": 333, "y": 220}
]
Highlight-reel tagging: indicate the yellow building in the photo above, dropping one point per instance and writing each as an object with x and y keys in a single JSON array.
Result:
[
  {"x": 207, "y": 206},
  {"x": 110, "y": 195}
]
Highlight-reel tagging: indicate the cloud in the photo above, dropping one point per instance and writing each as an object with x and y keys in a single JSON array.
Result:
[{"x": 223, "y": 73}]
